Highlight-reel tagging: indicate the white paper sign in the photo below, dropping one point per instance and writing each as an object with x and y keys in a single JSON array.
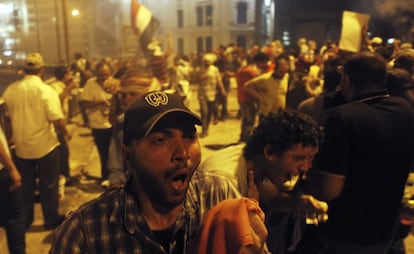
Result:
[{"x": 351, "y": 34}]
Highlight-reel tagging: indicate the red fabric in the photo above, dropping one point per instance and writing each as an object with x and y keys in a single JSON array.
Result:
[
  {"x": 226, "y": 227},
  {"x": 146, "y": 26},
  {"x": 243, "y": 75}
]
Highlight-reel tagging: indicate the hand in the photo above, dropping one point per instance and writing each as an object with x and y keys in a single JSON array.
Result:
[
  {"x": 16, "y": 180},
  {"x": 259, "y": 234},
  {"x": 73, "y": 84},
  {"x": 314, "y": 210},
  {"x": 107, "y": 103},
  {"x": 112, "y": 85},
  {"x": 68, "y": 136},
  {"x": 252, "y": 190}
]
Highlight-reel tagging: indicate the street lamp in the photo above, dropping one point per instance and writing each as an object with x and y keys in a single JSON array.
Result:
[{"x": 75, "y": 12}]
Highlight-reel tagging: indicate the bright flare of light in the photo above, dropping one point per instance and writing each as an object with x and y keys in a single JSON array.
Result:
[
  {"x": 9, "y": 42},
  {"x": 75, "y": 12}
]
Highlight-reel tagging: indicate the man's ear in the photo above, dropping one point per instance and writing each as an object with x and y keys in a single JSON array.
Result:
[
  {"x": 269, "y": 154},
  {"x": 127, "y": 160}
]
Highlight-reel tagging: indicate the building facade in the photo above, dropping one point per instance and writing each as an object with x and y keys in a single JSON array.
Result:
[
  {"x": 100, "y": 28},
  {"x": 203, "y": 25}
]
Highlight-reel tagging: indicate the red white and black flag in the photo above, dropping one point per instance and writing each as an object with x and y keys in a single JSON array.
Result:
[{"x": 143, "y": 23}]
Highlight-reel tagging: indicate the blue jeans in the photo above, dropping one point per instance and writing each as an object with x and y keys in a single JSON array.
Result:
[
  {"x": 208, "y": 111},
  {"x": 46, "y": 169},
  {"x": 11, "y": 214}
]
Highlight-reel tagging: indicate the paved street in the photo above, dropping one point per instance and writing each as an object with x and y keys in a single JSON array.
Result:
[{"x": 84, "y": 159}]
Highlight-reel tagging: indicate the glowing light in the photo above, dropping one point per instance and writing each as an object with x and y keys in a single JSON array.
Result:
[
  {"x": 9, "y": 42},
  {"x": 75, "y": 12}
]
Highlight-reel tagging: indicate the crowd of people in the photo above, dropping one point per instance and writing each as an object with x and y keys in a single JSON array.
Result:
[{"x": 326, "y": 145}]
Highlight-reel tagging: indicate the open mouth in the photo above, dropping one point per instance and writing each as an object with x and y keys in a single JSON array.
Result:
[
  {"x": 179, "y": 183},
  {"x": 290, "y": 181}
]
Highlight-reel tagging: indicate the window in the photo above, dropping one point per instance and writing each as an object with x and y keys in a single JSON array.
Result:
[
  {"x": 199, "y": 44},
  {"x": 180, "y": 45},
  {"x": 209, "y": 44},
  {"x": 286, "y": 38},
  {"x": 241, "y": 13},
  {"x": 209, "y": 15},
  {"x": 241, "y": 40},
  {"x": 180, "y": 18},
  {"x": 199, "y": 16}
]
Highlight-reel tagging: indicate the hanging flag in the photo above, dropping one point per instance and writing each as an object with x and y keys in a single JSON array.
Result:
[{"x": 143, "y": 23}]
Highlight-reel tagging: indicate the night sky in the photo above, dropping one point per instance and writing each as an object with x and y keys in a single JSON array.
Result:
[{"x": 389, "y": 18}]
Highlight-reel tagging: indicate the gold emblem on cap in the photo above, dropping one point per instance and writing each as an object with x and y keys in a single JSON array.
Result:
[{"x": 157, "y": 98}]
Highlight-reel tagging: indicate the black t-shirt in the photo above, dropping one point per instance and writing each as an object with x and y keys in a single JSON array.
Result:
[
  {"x": 371, "y": 142},
  {"x": 164, "y": 237}
]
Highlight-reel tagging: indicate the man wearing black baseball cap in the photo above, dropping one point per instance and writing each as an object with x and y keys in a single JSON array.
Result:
[{"x": 164, "y": 200}]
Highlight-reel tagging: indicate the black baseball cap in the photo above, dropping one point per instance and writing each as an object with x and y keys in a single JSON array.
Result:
[{"x": 145, "y": 112}]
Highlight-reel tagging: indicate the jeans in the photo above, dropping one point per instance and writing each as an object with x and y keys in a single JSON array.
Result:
[
  {"x": 208, "y": 110},
  {"x": 117, "y": 174},
  {"x": 46, "y": 169},
  {"x": 248, "y": 114},
  {"x": 11, "y": 214},
  {"x": 64, "y": 155},
  {"x": 222, "y": 101},
  {"x": 102, "y": 138}
]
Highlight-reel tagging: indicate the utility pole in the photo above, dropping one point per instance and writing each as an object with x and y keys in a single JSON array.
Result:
[
  {"x": 39, "y": 46},
  {"x": 65, "y": 31},
  {"x": 58, "y": 42}
]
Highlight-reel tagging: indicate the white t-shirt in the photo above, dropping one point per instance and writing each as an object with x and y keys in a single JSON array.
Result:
[
  {"x": 209, "y": 81},
  {"x": 98, "y": 116},
  {"x": 59, "y": 87},
  {"x": 32, "y": 106},
  {"x": 230, "y": 163}
]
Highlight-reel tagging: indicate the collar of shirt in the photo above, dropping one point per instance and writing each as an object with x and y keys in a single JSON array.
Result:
[{"x": 128, "y": 213}]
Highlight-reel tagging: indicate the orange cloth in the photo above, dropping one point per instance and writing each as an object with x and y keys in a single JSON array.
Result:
[{"x": 227, "y": 227}]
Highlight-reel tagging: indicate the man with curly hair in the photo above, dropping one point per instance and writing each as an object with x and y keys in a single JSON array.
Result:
[{"x": 270, "y": 167}]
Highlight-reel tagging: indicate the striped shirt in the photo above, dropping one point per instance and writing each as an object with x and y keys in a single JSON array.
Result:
[{"x": 114, "y": 222}]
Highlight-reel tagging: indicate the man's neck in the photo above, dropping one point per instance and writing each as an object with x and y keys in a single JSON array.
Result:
[{"x": 158, "y": 218}]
